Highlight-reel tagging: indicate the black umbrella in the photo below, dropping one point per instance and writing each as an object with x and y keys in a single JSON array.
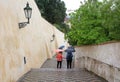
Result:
[{"x": 61, "y": 47}]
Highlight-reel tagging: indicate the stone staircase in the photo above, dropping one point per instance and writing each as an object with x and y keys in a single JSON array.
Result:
[{"x": 49, "y": 73}]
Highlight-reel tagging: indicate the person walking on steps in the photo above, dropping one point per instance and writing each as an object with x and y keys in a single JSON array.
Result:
[
  {"x": 59, "y": 59},
  {"x": 69, "y": 56}
]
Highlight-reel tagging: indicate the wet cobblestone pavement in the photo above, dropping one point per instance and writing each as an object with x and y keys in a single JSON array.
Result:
[{"x": 49, "y": 73}]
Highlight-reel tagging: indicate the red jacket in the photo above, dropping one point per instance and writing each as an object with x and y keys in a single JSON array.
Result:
[{"x": 59, "y": 57}]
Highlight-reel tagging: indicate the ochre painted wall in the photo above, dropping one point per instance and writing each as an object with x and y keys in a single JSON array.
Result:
[{"x": 31, "y": 42}]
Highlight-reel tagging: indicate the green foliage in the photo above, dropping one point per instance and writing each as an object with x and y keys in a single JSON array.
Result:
[
  {"x": 53, "y": 11},
  {"x": 62, "y": 27},
  {"x": 95, "y": 22}
]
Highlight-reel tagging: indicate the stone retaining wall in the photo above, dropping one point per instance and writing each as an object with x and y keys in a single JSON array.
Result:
[{"x": 103, "y": 60}]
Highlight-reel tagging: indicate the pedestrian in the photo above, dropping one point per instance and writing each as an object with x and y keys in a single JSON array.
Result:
[
  {"x": 69, "y": 56},
  {"x": 59, "y": 59}
]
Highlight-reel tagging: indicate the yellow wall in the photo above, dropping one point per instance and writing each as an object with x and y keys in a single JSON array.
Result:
[{"x": 32, "y": 42}]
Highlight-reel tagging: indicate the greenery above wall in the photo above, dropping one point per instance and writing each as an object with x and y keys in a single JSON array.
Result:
[
  {"x": 95, "y": 22},
  {"x": 53, "y": 11}
]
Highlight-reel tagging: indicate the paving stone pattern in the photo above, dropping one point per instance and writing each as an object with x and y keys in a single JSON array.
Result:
[{"x": 49, "y": 73}]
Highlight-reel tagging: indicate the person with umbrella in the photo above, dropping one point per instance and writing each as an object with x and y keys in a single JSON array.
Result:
[
  {"x": 59, "y": 57},
  {"x": 69, "y": 56}
]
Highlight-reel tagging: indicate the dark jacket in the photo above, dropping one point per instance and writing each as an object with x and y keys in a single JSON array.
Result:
[{"x": 69, "y": 56}]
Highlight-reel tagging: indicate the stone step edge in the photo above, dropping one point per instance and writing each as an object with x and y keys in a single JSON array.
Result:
[{"x": 56, "y": 69}]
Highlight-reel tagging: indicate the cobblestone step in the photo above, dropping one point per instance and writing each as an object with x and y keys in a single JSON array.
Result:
[
  {"x": 60, "y": 75},
  {"x": 49, "y": 73}
]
